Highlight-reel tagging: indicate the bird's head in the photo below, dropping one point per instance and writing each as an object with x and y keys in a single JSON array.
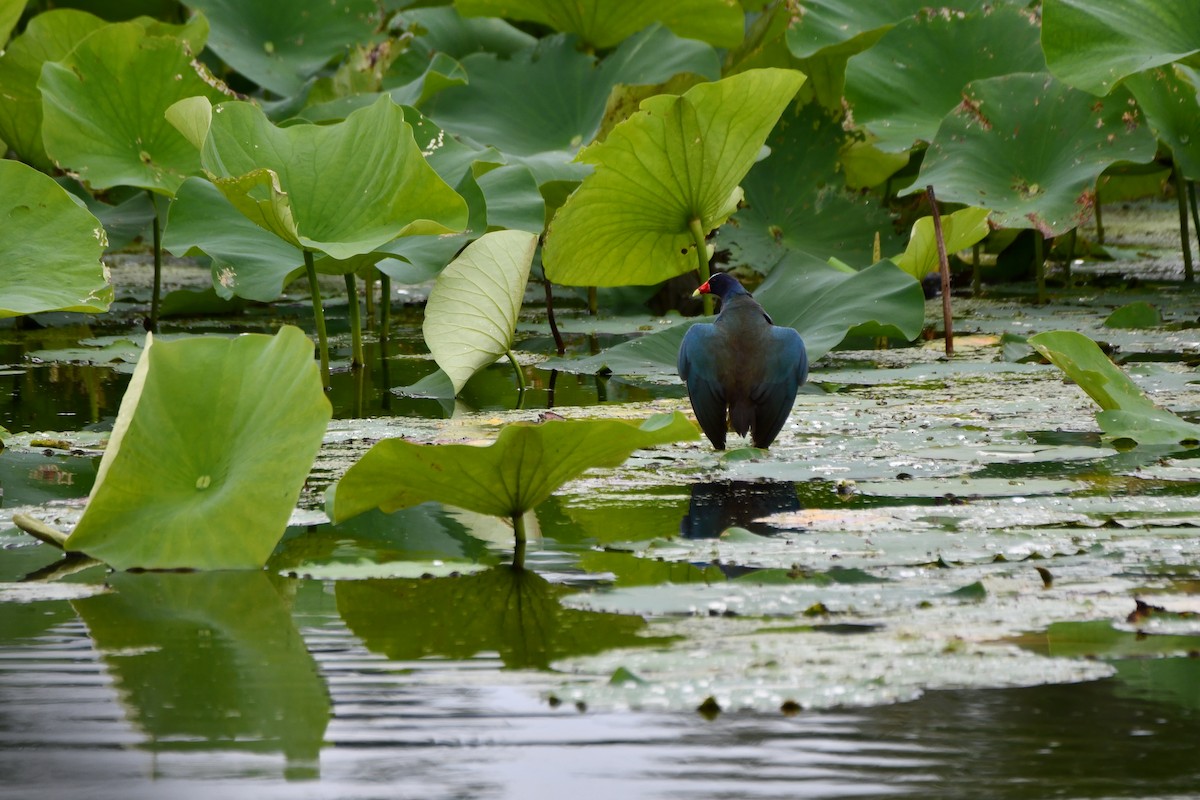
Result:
[{"x": 722, "y": 285}]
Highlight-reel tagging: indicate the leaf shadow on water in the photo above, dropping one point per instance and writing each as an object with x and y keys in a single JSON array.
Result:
[
  {"x": 210, "y": 660},
  {"x": 514, "y": 613}
]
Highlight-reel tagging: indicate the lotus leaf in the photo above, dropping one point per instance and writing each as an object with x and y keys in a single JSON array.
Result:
[
  {"x": 604, "y": 23},
  {"x": 666, "y": 172},
  {"x": 50, "y": 247},
  {"x": 48, "y": 37},
  {"x": 850, "y": 26},
  {"x": 472, "y": 311},
  {"x": 795, "y": 200},
  {"x": 280, "y": 47},
  {"x": 540, "y": 105},
  {"x": 295, "y": 181},
  {"x": 1030, "y": 149},
  {"x": 1094, "y": 45},
  {"x": 1170, "y": 98},
  {"x": 212, "y": 444},
  {"x": 118, "y": 135},
  {"x": 523, "y": 467},
  {"x": 1126, "y": 412},
  {"x": 960, "y": 230},
  {"x": 900, "y": 89}
]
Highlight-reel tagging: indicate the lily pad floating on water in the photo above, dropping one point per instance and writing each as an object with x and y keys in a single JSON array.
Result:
[
  {"x": 1134, "y": 315},
  {"x": 212, "y": 444},
  {"x": 1126, "y": 412}
]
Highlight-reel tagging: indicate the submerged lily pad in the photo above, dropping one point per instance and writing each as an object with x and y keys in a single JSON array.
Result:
[{"x": 213, "y": 442}]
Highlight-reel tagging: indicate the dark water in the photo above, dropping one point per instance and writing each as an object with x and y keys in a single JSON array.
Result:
[{"x": 115, "y": 699}]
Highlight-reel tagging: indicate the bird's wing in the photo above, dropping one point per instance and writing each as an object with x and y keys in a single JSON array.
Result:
[
  {"x": 773, "y": 398},
  {"x": 698, "y": 368}
]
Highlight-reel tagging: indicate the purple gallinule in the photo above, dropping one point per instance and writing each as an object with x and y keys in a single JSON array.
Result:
[{"x": 742, "y": 370}]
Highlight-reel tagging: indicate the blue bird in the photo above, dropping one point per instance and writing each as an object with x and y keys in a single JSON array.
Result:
[{"x": 742, "y": 370}]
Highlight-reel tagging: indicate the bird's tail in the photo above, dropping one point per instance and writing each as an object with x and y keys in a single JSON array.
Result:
[{"x": 741, "y": 415}]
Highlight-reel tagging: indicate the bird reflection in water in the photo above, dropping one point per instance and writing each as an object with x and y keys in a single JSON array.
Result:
[{"x": 721, "y": 504}]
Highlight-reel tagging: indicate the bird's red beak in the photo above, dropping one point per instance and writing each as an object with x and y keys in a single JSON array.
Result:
[{"x": 704, "y": 289}]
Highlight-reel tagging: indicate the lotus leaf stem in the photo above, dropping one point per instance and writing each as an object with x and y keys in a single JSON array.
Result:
[
  {"x": 559, "y": 346},
  {"x": 1099, "y": 223},
  {"x": 976, "y": 271},
  {"x": 1195, "y": 213},
  {"x": 1071, "y": 243},
  {"x": 1039, "y": 264},
  {"x": 356, "y": 350},
  {"x": 517, "y": 369},
  {"x": 1185, "y": 239},
  {"x": 944, "y": 266},
  {"x": 701, "y": 259},
  {"x": 314, "y": 290},
  {"x": 519, "y": 540},
  {"x": 156, "y": 291},
  {"x": 385, "y": 304}
]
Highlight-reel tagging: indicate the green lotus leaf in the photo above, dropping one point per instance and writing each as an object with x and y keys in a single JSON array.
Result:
[
  {"x": 212, "y": 444},
  {"x": 851, "y": 26},
  {"x": 523, "y": 467},
  {"x": 472, "y": 311},
  {"x": 604, "y": 23},
  {"x": 210, "y": 658},
  {"x": 295, "y": 181},
  {"x": 512, "y": 199},
  {"x": 1126, "y": 412},
  {"x": 960, "y": 230},
  {"x": 1030, "y": 149},
  {"x": 48, "y": 37},
  {"x": 795, "y": 203},
  {"x": 540, "y": 105},
  {"x": 278, "y": 47},
  {"x": 1170, "y": 98},
  {"x": 10, "y": 12},
  {"x": 679, "y": 159},
  {"x": 1135, "y": 315},
  {"x": 900, "y": 89},
  {"x": 1093, "y": 45},
  {"x": 821, "y": 302},
  {"x": 514, "y": 612},
  {"x": 50, "y": 247},
  {"x": 1085, "y": 363},
  {"x": 247, "y": 260},
  {"x": 442, "y": 29},
  {"x": 118, "y": 135}
]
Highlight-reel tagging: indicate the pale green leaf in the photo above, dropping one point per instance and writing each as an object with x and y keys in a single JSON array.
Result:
[
  {"x": 50, "y": 247},
  {"x": 960, "y": 230},
  {"x": 472, "y": 311},
  {"x": 212, "y": 444},
  {"x": 523, "y": 467},
  {"x": 104, "y": 106},
  {"x": 680, "y": 158}
]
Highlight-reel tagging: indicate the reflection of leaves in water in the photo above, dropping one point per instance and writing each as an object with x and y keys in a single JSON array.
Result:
[
  {"x": 212, "y": 657},
  {"x": 514, "y": 612}
]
